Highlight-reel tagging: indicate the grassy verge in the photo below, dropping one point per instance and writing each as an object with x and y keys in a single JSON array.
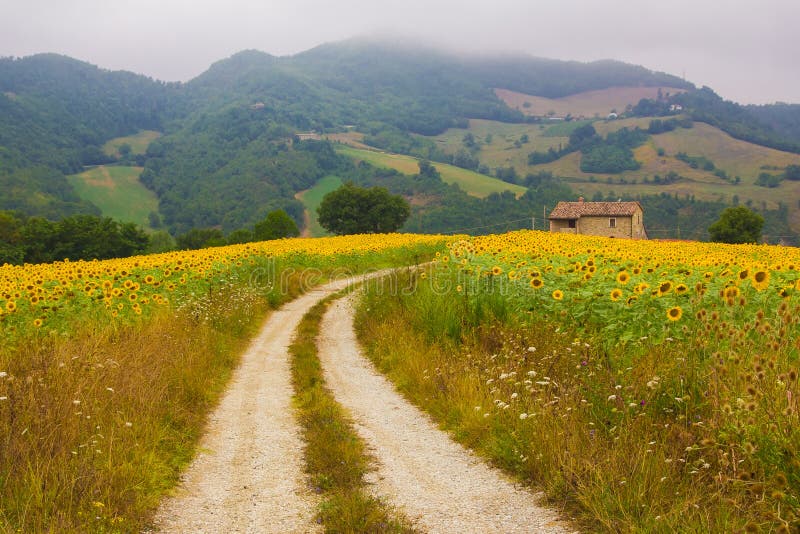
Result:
[
  {"x": 336, "y": 458},
  {"x": 99, "y": 425},
  {"x": 655, "y": 440}
]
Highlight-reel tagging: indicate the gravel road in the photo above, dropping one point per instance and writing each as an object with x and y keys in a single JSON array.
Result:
[
  {"x": 247, "y": 476},
  {"x": 437, "y": 483}
]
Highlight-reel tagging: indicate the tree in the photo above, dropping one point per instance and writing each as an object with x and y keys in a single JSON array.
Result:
[
  {"x": 737, "y": 225},
  {"x": 357, "y": 210},
  {"x": 198, "y": 238},
  {"x": 792, "y": 172},
  {"x": 276, "y": 225}
]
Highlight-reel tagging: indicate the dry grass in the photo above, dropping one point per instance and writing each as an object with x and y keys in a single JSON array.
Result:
[
  {"x": 96, "y": 427},
  {"x": 588, "y": 104}
]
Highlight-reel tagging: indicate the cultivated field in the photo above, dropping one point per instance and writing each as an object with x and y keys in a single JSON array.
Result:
[
  {"x": 475, "y": 184},
  {"x": 590, "y": 104},
  {"x": 109, "y": 369},
  {"x": 650, "y": 387},
  {"x": 118, "y": 193},
  {"x": 138, "y": 143},
  {"x": 311, "y": 199}
]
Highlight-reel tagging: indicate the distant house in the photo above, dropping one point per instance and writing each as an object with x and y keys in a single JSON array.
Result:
[
  {"x": 611, "y": 116},
  {"x": 675, "y": 107},
  {"x": 609, "y": 219},
  {"x": 305, "y": 136}
]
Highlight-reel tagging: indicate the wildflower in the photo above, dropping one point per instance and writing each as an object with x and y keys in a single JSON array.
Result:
[{"x": 558, "y": 294}]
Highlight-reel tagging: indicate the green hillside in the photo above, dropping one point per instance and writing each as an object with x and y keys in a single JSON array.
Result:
[
  {"x": 312, "y": 198},
  {"x": 473, "y": 183},
  {"x": 118, "y": 193},
  {"x": 230, "y": 150},
  {"x": 138, "y": 143}
]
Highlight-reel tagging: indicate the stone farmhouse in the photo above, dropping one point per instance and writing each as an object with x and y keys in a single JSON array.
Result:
[{"x": 608, "y": 219}]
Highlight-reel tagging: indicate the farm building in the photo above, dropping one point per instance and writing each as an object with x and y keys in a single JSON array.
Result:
[{"x": 609, "y": 219}]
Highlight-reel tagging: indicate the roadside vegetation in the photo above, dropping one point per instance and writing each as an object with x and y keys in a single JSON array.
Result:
[
  {"x": 109, "y": 368},
  {"x": 336, "y": 457},
  {"x": 650, "y": 386}
]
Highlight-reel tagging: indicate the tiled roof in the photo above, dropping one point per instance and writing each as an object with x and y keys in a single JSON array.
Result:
[{"x": 575, "y": 210}]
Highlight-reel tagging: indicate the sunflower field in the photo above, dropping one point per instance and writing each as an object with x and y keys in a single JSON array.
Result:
[
  {"x": 646, "y": 386},
  {"x": 108, "y": 369}
]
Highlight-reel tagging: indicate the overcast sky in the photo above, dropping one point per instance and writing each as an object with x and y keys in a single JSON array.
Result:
[{"x": 746, "y": 50}]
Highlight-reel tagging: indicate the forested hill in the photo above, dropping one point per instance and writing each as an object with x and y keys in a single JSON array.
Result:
[
  {"x": 55, "y": 114},
  {"x": 228, "y": 151}
]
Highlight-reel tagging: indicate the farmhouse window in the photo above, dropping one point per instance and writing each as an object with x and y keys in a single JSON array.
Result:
[
  {"x": 571, "y": 223},
  {"x": 612, "y": 222}
]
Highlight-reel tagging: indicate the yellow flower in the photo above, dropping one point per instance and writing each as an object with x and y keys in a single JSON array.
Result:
[
  {"x": 681, "y": 289},
  {"x": 558, "y": 294},
  {"x": 37, "y": 322},
  {"x": 496, "y": 270},
  {"x": 674, "y": 313},
  {"x": 616, "y": 293},
  {"x": 536, "y": 283},
  {"x": 623, "y": 277}
]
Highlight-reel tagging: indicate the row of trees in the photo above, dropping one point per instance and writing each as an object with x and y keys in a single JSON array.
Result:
[{"x": 36, "y": 240}]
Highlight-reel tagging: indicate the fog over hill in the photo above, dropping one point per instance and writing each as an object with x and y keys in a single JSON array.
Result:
[{"x": 744, "y": 50}]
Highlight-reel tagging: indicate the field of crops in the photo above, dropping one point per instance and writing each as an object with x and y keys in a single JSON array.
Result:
[
  {"x": 108, "y": 369},
  {"x": 651, "y": 385}
]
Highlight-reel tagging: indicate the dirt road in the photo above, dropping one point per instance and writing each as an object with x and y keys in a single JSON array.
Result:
[
  {"x": 439, "y": 485},
  {"x": 248, "y": 475}
]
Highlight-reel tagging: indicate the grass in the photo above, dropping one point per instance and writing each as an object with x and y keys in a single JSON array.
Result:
[
  {"x": 682, "y": 436},
  {"x": 118, "y": 193},
  {"x": 138, "y": 143},
  {"x": 473, "y": 183},
  {"x": 589, "y": 104},
  {"x": 335, "y": 456},
  {"x": 311, "y": 199}
]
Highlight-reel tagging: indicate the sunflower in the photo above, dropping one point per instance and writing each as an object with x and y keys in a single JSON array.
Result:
[
  {"x": 11, "y": 306},
  {"x": 641, "y": 287},
  {"x": 674, "y": 313},
  {"x": 664, "y": 287},
  {"x": 630, "y": 300},
  {"x": 37, "y": 322},
  {"x": 616, "y": 293},
  {"x": 731, "y": 292},
  {"x": 760, "y": 280},
  {"x": 558, "y": 294},
  {"x": 536, "y": 283},
  {"x": 623, "y": 277},
  {"x": 680, "y": 289},
  {"x": 497, "y": 270},
  {"x": 744, "y": 274}
]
